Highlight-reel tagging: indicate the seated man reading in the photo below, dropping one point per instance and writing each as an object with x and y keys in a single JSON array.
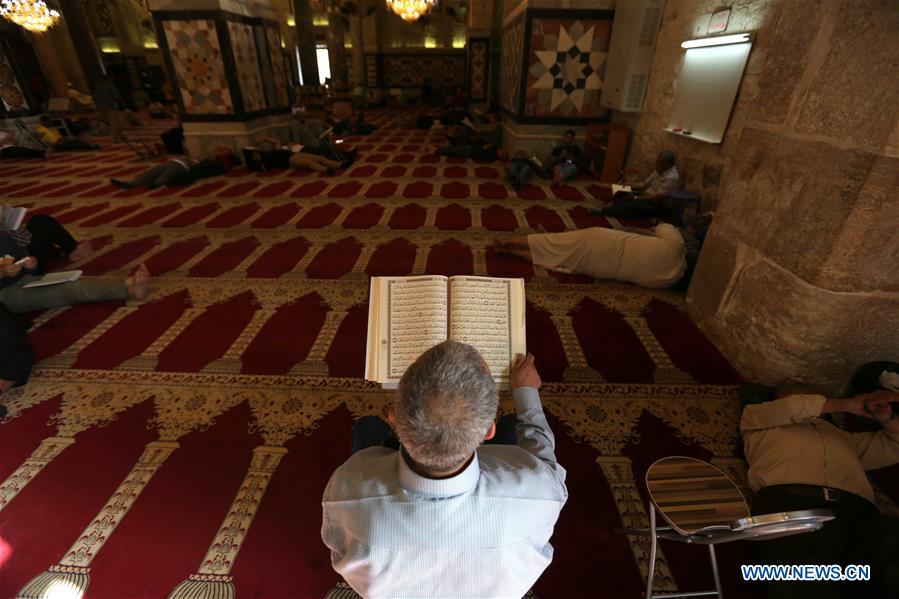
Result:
[
  {"x": 648, "y": 196},
  {"x": 445, "y": 516},
  {"x": 799, "y": 461},
  {"x": 651, "y": 258},
  {"x": 15, "y": 355},
  {"x": 16, "y": 268}
]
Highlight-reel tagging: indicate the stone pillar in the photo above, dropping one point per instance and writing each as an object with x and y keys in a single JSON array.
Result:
[
  {"x": 553, "y": 63},
  {"x": 85, "y": 47},
  {"x": 305, "y": 31},
  {"x": 798, "y": 280},
  {"x": 51, "y": 63},
  {"x": 359, "y": 74},
  {"x": 336, "y": 49},
  {"x": 231, "y": 81}
]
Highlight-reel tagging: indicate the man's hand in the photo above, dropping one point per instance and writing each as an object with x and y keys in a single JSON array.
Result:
[
  {"x": 10, "y": 270},
  {"x": 30, "y": 263},
  {"x": 524, "y": 373},
  {"x": 877, "y": 405}
]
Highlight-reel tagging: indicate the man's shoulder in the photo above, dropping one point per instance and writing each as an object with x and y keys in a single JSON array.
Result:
[
  {"x": 370, "y": 472},
  {"x": 509, "y": 470}
]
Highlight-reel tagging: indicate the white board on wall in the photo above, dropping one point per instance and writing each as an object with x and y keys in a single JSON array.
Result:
[{"x": 706, "y": 89}]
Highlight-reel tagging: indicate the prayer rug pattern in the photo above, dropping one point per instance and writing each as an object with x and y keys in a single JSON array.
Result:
[{"x": 183, "y": 442}]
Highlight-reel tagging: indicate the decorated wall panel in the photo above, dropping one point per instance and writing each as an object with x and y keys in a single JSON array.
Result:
[
  {"x": 413, "y": 70},
  {"x": 246, "y": 63},
  {"x": 566, "y": 62},
  {"x": 279, "y": 66},
  {"x": 11, "y": 92},
  {"x": 510, "y": 65},
  {"x": 478, "y": 68},
  {"x": 196, "y": 58}
]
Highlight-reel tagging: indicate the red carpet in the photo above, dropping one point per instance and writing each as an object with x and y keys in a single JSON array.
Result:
[{"x": 193, "y": 433}]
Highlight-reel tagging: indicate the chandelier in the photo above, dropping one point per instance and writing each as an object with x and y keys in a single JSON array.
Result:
[
  {"x": 411, "y": 10},
  {"x": 33, "y": 15}
]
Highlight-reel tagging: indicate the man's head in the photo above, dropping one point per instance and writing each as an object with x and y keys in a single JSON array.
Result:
[
  {"x": 445, "y": 405},
  {"x": 46, "y": 121},
  {"x": 520, "y": 155},
  {"x": 568, "y": 137},
  {"x": 664, "y": 160}
]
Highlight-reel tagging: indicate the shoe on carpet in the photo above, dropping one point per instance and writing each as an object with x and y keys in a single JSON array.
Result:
[{"x": 121, "y": 184}]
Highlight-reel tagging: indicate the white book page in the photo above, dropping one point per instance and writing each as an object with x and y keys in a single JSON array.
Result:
[
  {"x": 412, "y": 320},
  {"x": 488, "y": 314}
]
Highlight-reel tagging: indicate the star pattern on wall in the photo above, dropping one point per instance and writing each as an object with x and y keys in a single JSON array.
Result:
[{"x": 569, "y": 67}]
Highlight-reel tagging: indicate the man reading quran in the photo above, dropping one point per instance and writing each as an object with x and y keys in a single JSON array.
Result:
[{"x": 444, "y": 515}]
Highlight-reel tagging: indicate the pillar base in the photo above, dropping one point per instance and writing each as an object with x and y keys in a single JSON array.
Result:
[{"x": 204, "y": 139}]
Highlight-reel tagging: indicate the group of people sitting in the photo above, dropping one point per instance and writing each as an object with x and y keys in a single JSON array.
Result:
[{"x": 25, "y": 255}]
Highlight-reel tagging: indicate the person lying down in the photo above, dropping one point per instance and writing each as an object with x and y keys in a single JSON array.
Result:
[{"x": 652, "y": 258}]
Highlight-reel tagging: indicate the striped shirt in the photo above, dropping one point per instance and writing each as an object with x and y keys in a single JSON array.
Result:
[{"x": 482, "y": 533}]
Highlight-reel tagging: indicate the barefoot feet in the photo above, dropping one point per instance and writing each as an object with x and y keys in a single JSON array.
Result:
[{"x": 138, "y": 283}]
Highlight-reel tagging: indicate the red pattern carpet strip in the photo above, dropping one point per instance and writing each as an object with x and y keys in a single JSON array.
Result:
[{"x": 183, "y": 442}]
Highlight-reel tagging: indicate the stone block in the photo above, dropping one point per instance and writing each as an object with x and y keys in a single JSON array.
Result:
[
  {"x": 853, "y": 94},
  {"x": 713, "y": 273},
  {"x": 787, "y": 40},
  {"x": 775, "y": 328},
  {"x": 799, "y": 202}
]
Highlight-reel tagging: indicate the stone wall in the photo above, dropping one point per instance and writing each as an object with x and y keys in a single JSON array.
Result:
[{"x": 799, "y": 278}]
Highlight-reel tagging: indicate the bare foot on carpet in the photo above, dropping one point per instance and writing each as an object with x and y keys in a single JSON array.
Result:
[
  {"x": 82, "y": 251},
  {"x": 139, "y": 283}
]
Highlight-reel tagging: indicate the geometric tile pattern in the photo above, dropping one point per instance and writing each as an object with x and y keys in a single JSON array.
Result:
[
  {"x": 510, "y": 66},
  {"x": 199, "y": 68},
  {"x": 279, "y": 66},
  {"x": 566, "y": 63},
  {"x": 246, "y": 61},
  {"x": 412, "y": 71},
  {"x": 478, "y": 68}
]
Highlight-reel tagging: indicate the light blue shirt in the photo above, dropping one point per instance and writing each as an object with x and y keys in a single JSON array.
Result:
[{"x": 482, "y": 533}]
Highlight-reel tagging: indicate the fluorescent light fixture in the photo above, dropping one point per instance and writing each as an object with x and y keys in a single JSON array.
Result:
[{"x": 717, "y": 41}]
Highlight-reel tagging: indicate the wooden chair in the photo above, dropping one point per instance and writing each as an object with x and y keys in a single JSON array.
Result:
[{"x": 703, "y": 506}]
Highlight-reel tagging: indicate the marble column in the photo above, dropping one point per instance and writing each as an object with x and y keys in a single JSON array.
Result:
[
  {"x": 358, "y": 50},
  {"x": 51, "y": 63},
  {"x": 85, "y": 46},
  {"x": 305, "y": 32},
  {"x": 231, "y": 79},
  {"x": 336, "y": 48}
]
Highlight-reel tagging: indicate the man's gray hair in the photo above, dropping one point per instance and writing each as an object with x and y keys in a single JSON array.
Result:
[
  {"x": 667, "y": 156},
  {"x": 446, "y": 401}
]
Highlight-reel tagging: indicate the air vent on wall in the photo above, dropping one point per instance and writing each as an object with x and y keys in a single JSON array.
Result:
[{"x": 629, "y": 63}]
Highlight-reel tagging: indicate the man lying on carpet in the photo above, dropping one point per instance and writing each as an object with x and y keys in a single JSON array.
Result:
[
  {"x": 799, "y": 461},
  {"x": 279, "y": 155},
  {"x": 9, "y": 149},
  {"x": 54, "y": 138},
  {"x": 16, "y": 271},
  {"x": 442, "y": 515},
  {"x": 182, "y": 170},
  {"x": 15, "y": 355},
  {"x": 647, "y": 197},
  {"x": 658, "y": 257}
]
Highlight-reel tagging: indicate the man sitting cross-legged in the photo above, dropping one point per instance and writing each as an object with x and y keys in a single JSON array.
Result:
[
  {"x": 445, "y": 516},
  {"x": 647, "y": 198},
  {"x": 16, "y": 267}
]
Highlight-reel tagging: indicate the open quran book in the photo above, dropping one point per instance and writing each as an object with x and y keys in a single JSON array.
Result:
[{"x": 409, "y": 315}]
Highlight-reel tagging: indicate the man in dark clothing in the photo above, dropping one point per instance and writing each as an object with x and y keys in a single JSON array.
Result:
[
  {"x": 106, "y": 98},
  {"x": 182, "y": 170},
  {"x": 8, "y": 148},
  {"x": 15, "y": 355},
  {"x": 564, "y": 160}
]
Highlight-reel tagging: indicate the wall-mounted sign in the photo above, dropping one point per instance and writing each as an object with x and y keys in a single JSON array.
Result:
[{"x": 718, "y": 22}]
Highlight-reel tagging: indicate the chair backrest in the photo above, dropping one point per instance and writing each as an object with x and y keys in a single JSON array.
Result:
[{"x": 691, "y": 494}]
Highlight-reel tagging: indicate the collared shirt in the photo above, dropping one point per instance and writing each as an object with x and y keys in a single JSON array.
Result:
[
  {"x": 481, "y": 533},
  {"x": 786, "y": 443},
  {"x": 662, "y": 183}
]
